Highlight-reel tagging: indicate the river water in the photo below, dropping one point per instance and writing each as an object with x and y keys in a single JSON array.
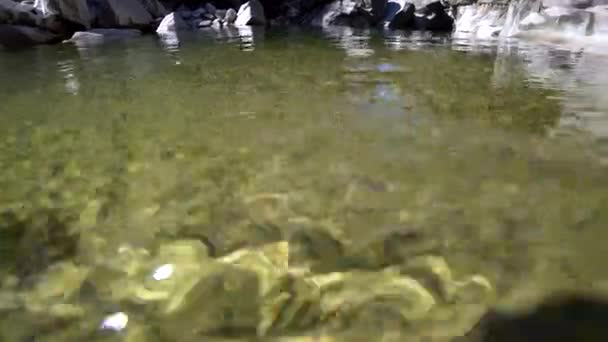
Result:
[{"x": 489, "y": 156}]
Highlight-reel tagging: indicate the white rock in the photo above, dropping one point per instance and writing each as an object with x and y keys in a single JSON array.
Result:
[
  {"x": 251, "y": 13},
  {"x": 479, "y": 21},
  {"x": 98, "y": 36},
  {"x": 171, "y": 24},
  {"x": 117, "y": 322}
]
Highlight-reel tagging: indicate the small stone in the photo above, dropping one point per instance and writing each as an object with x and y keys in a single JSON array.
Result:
[
  {"x": 217, "y": 24},
  {"x": 116, "y": 321},
  {"x": 205, "y": 23}
]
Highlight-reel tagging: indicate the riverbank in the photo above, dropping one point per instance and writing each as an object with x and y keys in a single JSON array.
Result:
[{"x": 30, "y": 22}]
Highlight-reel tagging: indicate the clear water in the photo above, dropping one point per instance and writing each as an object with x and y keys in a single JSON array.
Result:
[{"x": 491, "y": 156}]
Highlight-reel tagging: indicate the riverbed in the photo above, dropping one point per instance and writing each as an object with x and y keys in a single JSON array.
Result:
[{"x": 380, "y": 162}]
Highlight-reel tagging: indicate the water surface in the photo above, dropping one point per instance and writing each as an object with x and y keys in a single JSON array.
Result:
[{"x": 488, "y": 155}]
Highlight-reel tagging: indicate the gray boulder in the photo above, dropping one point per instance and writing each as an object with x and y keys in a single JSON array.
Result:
[
  {"x": 121, "y": 13},
  {"x": 199, "y": 12},
  {"x": 251, "y": 13},
  {"x": 76, "y": 11},
  {"x": 12, "y": 12},
  {"x": 155, "y": 8},
  {"x": 230, "y": 16},
  {"x": 336, "y": 12},
  {"x": 27, "y": 15},
  {"x": 16, "y": 36}
]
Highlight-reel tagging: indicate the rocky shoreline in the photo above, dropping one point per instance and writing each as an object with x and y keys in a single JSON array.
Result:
[{"x": 52, "y": 21}]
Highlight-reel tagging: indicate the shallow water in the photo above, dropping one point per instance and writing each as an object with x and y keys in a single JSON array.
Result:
[{"x": 489, "y": 155}]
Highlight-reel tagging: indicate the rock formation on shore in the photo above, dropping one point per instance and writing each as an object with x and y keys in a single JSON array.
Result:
[{"x": 47, "y": 21}]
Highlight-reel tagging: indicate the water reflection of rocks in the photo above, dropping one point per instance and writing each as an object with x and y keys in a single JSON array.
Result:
[{"x": 580, "y": 73}]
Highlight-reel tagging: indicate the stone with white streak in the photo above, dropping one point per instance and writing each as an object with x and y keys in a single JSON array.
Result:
[
  {"x": 76, "y": 11},
  {"x": 251, "y": 13}
]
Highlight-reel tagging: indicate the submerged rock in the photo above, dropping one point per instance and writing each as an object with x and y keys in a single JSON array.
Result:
[
  {"x": 251, "y": 13},
  {"x": 269, "y": 262},
  {"x": 561, "y": 317},
  {"x": 347, "y": 295},
  {"x": 98, "y": 36},
  {"x": 193, "y": 294}
]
